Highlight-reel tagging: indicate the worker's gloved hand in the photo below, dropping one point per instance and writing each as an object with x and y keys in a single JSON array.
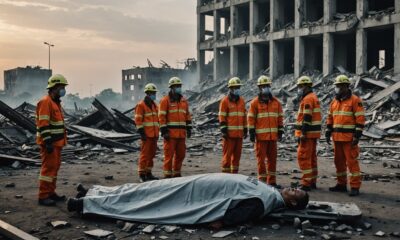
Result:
[
  {"x": 355, "y": 141},
  {"x": 166, "y": 136},
  {"x": 188, "y": 132},
  {"x": 252, "y": 135},
  {"x": 245, "y": 133},
  {"x": 165, "y": 133},
  {"x": 142, "y": 134},
  {"x": 224, "y": 132},
  {"x": 49, "y": 147},
  {"x": 328, "y": 137}
]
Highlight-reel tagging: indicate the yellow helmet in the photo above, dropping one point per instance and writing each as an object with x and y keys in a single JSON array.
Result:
[
  {"x": 174, "y": 81},
  {"x": 263, "y": 80},
  {"x": 342, "y": 79},
  {"x": 56, "y": 79},
  {"x": 150, "y": 87},
  {"x": 235, "y": 81},
  {"x": 304, "y": 80}
]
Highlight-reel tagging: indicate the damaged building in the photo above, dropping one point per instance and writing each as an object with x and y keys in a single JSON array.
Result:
[
  {"x": 26, "y": 80},
  {"x": 248, "y": 37},
  {"x": 134, "y": 79}
]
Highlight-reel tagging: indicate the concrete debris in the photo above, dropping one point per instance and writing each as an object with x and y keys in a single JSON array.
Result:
[
  {"x": 275, "y": 226},
  {"x": 380, "y": 234},
  {"x": 296, "y": 223},
  {"x": 59, "y": 224},
  {"x": 10, "y": 185},
  {"x": 310, "y": 232},
  {"x": 170, "y": 229},
  {"x": 149, "y": 229},
  {"x": 222, "y": 234},
  {"x": 306, "y": 225},
  {"x": 98, "y": 233},
  {"x": 129, "y": 227}
]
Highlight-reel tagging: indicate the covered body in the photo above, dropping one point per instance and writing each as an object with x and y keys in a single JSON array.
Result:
[{"x": 188, "y": 200}]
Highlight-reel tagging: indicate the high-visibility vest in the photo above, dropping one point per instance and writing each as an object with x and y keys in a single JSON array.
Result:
[
  {"x": 309, "y": 117},
  {"x": 147, "y": 118},
  {"x": 175, "y": 116},
  {"x": 232, "y": 115},
  {"x": 50, "y": 123},
  {"x": 266, "y": 118},
  {"x": 346, "y": 118}
]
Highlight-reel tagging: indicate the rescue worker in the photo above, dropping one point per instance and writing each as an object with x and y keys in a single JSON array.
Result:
[
  {"x": 176, "y": 125},
  {"x": 345, "y": 123},
  {"x": 233, "y": 124},
  {"x": 51, "y": 137},
  {"x": 265, "y": 123},
  {"x": 308, "y": 131},
  {"x": 146, "y": 119}
]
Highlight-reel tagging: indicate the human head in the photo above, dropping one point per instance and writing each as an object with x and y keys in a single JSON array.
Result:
[
  {"x": 264, "y": 85},
  {"x": 304, "y": 84},
  {"x": 150, "y": 90},
  {"x": 295, "y": 198},
  {"x": 234, "y": 85},
  {"x": 56, "y": 85},
  {"x": 175, "y": 84},
  {"x": 342, "y": 83}
]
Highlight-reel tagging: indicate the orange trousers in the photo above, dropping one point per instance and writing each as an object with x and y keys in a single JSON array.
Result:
[
  {"x": 269, "y": 150},
  {"x": 48, "y": 173},
  {"x": 307, "y": 159},
  {"x": 148, "y": 151},
  {"x": 174, "y": 154},
  {"x": 231, "y": 150},
  {"x": 346, "y": 155}
]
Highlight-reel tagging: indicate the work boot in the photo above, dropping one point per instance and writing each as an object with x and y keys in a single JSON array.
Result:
[
  {"x": 82, "y": 191},
  {"x": 57, "y": 198},
  {"x": 151, "y": 177},
  {"x": 47, "y": 202},
  {"x": 305, "y": 188},
  {"x": 354, "y": 192},
  {"x": 142, "y": 178},
  {"x": 338, "y": 188},
  {"x": 313, "y": 186},
  {"x": 74, "y": 204},
  {"x": 177, "y": 175}
]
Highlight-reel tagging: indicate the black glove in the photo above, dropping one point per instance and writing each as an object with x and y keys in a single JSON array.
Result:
[
  {"x": 245, "y": 133},
  {"x": 188, "y": 132},
  {"x": 280, "y": 135},
  {"x": 49, "y": 147},
  {"x": 142, "y": 134},
  {"x": 328, "y": 137},
  {"x": 165, "y": 133},
  {"x": 252, "y": 135},
  {"x": 224, "y": 132},
  {"x": 355, "y": 141}
]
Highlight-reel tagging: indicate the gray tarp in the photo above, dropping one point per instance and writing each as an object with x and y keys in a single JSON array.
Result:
[{"x": 186, "y": 200}]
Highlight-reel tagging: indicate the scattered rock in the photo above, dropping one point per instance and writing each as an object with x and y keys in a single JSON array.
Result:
[
  {"x": 129, "y": 227},
  {"x": 222, "y": 234},
  {"x": 59, "y": 224},
  {"x": 109, "y": 177},
  {"x": 10, "y": 185},
  {"x": 309, "y": 232},
  {"x": 380, "y": 234},
  {"x": 395, "y": 234},
  {"x": 170, "y": 229},
  {"x": 306, "y": 224},
  {"x": 296, "y": 222},
  {"x": 149, "y": 229},
  {"x": 276, "y": 226},
  {"x": 366, "y": 225},
  {"x": 341, "y": 228},
  {"x": 16, "y": 165},
  {"x": 163, "y": 237},
  {"x": 98, "y": 233},
  {"x": 18, "y": 196},
  {"x": 242, "y": 230}
]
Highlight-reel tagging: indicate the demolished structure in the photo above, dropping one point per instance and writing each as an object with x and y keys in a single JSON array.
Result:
[{"x": 245, "y": 38}]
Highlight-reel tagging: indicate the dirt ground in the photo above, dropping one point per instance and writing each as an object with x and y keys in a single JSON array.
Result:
[{"x": 379, "y": 201}]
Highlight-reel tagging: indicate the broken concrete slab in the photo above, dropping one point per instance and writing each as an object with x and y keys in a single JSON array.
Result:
[
  {"x": 222, "y": 234},
  {"x": 98, "y": 233},
  {"x": 170, "y": 229},
  {"x": 149, "y": 229},
  {"x": 384, "y": 93},
  {"x": 59, "y": 224},
  {"x": 380, "y": 234}
]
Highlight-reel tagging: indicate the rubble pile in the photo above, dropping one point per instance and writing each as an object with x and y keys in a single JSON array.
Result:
[{"x": 92, "y": 134}]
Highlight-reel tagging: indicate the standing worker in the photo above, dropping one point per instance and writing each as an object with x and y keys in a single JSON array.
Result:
[
  {"x": 265, "y": 122},
  {"x": 233, "y": 124},
  {"x": 146, "y": 119},
  {"x": 308, "y": 130},
  {"x": 176, "y": 125},
  {"x": 51, "y": 136},
  {"x": 345, "y": 123}
]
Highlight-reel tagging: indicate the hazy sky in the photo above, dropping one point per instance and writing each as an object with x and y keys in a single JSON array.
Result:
[{"x": 95, "y": 39}]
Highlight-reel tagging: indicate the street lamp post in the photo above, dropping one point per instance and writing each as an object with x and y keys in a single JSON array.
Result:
[{"x": 50, "y": 45}]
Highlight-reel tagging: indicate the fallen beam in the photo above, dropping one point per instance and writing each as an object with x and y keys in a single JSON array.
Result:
[
  {"x": 115, "y": 124},
  {"x": 17, "y": 117},
  {"x": 4, "y": 157},
  {"x": 11, "y": 232},
  {"x": 385, "y": 92}
]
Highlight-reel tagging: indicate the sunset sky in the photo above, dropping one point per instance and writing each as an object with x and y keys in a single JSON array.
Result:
[{"x": 95, "y": 39}]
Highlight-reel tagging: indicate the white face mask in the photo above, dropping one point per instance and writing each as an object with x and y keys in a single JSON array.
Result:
[
  {"x": 337, "y": 90},
  {"x": 300, "y": 91}
]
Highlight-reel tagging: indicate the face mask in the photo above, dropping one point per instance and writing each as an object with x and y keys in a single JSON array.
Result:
[
  {"x": 236, "y": 92},
  {"x": 300, "y": 91},
  {"x": 337, "y": 90},
  {"x": 62, "y": 92},
  {"x": 266, "y": 91},
  {"x": 178, "y": 90},
  {"x": 153, "y": 97}
]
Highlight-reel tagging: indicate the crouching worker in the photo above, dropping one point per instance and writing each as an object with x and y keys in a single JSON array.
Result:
[{"x": 206, "y": 198}]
